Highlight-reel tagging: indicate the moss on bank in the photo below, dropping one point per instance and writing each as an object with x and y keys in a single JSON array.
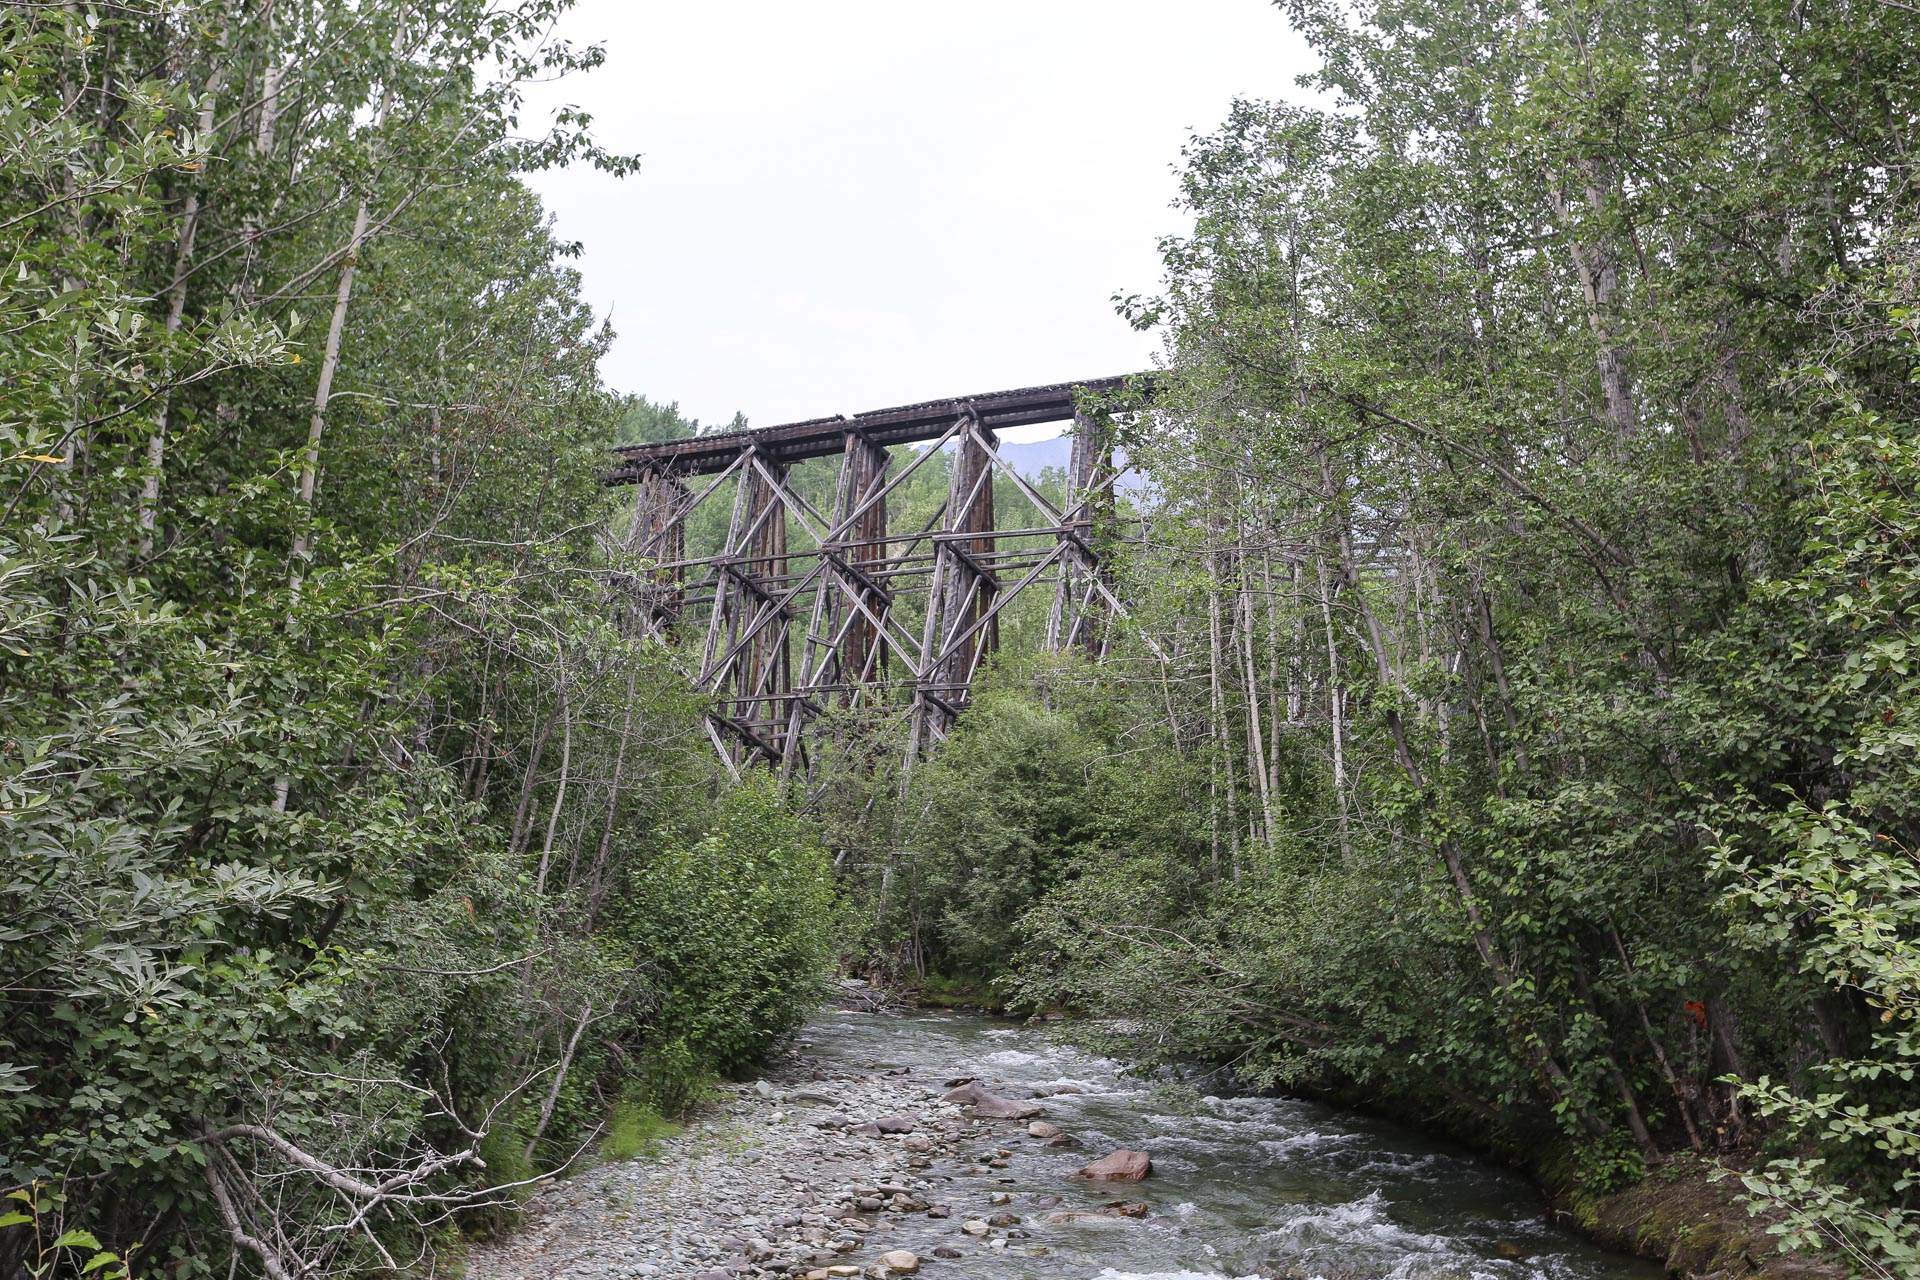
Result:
[{"x": 1679, "y": 1217}]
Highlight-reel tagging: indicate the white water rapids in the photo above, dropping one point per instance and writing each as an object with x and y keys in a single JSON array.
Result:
[{"x": 1242, "y": 1186}]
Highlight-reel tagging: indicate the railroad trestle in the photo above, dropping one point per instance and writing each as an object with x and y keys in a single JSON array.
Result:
[{"x": 797, "y": 611}]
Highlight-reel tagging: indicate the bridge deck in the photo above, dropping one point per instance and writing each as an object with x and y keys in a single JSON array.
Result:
[{"x": 819, "y": 437}]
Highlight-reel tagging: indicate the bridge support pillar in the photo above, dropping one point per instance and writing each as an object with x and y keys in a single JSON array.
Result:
[
  {"x": 1078, "y": 619},
  {"x": 659, "y": 533},
  {"x": 860, "y": 521},
  {"x": 765, "y": 676},
  {"x": 961, "y": 627}
]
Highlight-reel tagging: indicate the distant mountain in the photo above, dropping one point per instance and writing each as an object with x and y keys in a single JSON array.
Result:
[{"x": 1033, "y": 458}]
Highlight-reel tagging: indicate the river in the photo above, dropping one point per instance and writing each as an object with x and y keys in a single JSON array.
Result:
[{"x": 1241, "y": 1186}]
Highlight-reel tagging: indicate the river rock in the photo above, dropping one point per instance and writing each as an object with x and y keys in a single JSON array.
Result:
[
  {"x": 990, "y": 1106},
  {"x": 835, "y": 1121},
  {"x": 1087, "y": 1217},
  {"x": 898, "y": 1122},
  {"x": 918, "y": 1142},
  {"x": 902, "y": 1260},
  {"x": 1120, "y": 1166},
  {"x": 947, "y": 1251},
  {"x": 975, "y": 1227},
  {"x": 1126, "y": 1209},
  {"x": 1042, "y": 1129},
  {"x": 815, "y": 1097}
]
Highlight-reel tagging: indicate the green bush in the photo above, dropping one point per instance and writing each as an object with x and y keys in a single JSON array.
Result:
[{"x": 736, "y": 933}]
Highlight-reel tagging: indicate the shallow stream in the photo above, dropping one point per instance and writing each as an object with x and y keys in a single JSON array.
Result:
[{"x": 1240, "y": 1186}]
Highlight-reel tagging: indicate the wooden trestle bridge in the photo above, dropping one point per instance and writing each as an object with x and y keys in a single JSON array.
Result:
[{"x": 803, "y": 611}]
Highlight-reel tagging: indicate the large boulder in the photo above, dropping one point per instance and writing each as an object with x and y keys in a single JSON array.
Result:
[
  {"x": 991, "y": 1106},
  {"x": 1120, "y": 1166}
]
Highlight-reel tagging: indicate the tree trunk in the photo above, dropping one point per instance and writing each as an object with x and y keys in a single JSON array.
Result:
[{"x": 323, "y": 392}]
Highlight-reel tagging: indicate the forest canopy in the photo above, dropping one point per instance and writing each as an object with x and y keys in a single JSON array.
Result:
[{"x": 354, "y": 834}]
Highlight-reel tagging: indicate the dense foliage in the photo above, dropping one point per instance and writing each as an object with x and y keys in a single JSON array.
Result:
[
  {"x": 1516, "y": 720},
  {"x": 349, "y": 803}
]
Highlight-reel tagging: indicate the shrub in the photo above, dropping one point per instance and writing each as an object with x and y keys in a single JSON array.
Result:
[{"x": 736, "y": 933}]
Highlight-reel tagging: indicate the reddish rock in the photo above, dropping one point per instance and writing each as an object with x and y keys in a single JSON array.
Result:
[
  {"x": 1121, "y": 1166},
  {"x": 989, "y": 1106}
]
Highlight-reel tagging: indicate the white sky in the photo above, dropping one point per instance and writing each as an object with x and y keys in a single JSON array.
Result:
[{"x": 852, "y": 204}]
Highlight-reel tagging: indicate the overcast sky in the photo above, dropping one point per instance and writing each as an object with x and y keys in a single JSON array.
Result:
[{"x": 852, "y": 204}]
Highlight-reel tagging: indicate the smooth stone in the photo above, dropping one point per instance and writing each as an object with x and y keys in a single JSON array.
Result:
[
  {"x": 991, "y": 1106},
  {"x": 947, "y": 1251},
  {"x": 898, "y": 1122},
  {"x": 904, "y": 1260},
  {"x": 1119, "y": 1166},
  {"x": 1041, "y": 1129},
  {"x": 975, "y": 1227}
]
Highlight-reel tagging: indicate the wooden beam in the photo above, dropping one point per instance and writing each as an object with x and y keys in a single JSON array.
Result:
[{"x": 906, "y": 424}]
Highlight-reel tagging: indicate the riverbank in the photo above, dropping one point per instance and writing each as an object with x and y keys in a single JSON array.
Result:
[
  {"x": 847, "y": 1151},
  {"x": 1694, "y": 1226},
  {"x": 775, "y": 1177}
]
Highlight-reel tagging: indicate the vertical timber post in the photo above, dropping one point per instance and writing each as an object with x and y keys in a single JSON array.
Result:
[
  {"x": 659, "y": 533},
  {"x": 963, "y": 586},
  {"x": 765, "y": 670},
  {"x": 863, "y": 653},
  {"x": 1077, "y": 617}
]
